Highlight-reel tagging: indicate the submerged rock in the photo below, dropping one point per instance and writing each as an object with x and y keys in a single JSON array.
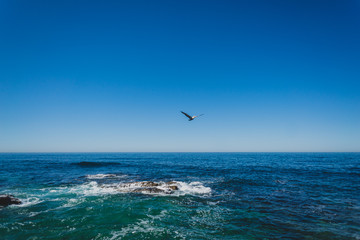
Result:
[{"x": 6, "y": 200}]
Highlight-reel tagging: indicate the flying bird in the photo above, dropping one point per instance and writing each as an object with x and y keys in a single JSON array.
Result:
[{"x": 191, "y": 117}]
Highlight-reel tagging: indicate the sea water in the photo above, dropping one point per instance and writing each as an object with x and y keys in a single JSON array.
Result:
[{"x": 217, "y": 196}]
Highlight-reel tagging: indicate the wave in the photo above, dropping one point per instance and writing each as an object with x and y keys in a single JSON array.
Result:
[
  {"x": 102, "y": 176},
  {"x": 176, "y": 188},
  {"x": 29, "y": 201},
  {"x": 193, "y": 188},
  {"x": 142, "y": 226},
  {"x": 72, "y": 195}
]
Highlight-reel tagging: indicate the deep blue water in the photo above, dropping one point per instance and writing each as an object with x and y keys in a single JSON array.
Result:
[{"x": 217, "y": 196}]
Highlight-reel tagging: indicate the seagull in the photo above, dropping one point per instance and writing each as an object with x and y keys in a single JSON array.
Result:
[{"x": 191, "y": 117}]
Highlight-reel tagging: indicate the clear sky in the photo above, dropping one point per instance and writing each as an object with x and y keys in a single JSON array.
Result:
[{"x": 114, "y": 75}]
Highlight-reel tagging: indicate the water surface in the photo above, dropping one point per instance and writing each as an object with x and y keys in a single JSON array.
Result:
[{"x": 218, "y": 196}]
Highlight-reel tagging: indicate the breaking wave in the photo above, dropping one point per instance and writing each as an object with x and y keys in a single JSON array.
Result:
[
  {"x": 30, "y": 201},
  {"x": 72, "y": 195},
  {"x": 103, "y": 176},
  {"x": 176, "y": 188}
]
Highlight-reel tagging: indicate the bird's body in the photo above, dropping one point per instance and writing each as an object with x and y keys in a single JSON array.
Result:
[{"x": 191, "y": 117}]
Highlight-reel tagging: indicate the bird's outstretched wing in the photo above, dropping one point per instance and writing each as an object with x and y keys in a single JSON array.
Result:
[
  {"x": 198, "y": 115},
  {"x": 186, "y": 115}
]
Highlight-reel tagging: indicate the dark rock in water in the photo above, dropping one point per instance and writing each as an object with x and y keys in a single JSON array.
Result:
[
  {"x": 171, "y": 183},
  {"x": 173, "y": 188},
  {"x": 146, "y": 187},
  {"x": 149, "y": 184},
  {"x": 148, "y": 190},
  {"x": 6, "y": 200}
]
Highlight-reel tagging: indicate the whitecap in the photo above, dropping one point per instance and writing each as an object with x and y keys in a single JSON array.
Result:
[
  {"x": 91, "y": 189},
  {"x": 176, "y": 188},
  {"x": 160, "y": 188},
  {"x": 193, "y": 188},
  {"x": 72, "y": 202},
  {"x": 142, "y": 226},
  {"x": 30, "y": 201},
  {"x": 102, "y": 176}
]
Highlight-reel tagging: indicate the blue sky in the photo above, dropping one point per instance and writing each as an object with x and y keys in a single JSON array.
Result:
[{"x": 114, "y": 76}]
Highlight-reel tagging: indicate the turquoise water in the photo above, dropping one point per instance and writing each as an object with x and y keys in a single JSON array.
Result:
[{"x": 217, "y": 196}]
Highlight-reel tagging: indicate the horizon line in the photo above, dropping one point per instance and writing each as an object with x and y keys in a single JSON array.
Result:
[{"x": 191, "y": 152}]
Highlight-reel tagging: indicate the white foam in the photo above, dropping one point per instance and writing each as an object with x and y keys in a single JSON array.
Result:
[
  {"x": 161, "y": 215},
  {"x": 65, "y": 194},
  {"x": 142, "y": 226},
  {"x": 93, "y": 188},
  {"x": 102, "y": 176},
  {"x": 72, "y": 202},
  {"x": 193, "y": 188},
  {"x": 29, "y": 202}
]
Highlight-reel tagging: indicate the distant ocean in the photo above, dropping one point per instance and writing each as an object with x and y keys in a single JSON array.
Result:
[{"x": 181, "y": 195}]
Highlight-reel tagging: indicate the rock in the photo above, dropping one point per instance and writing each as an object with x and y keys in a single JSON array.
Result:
[
  {"x": 146, "y": 187},
  {"x": 149, "y": 184},
  {"x": 171, "y": 183},
  {"x": 148, "y": 190},
  {"x": 173, "y": 188},
  {"x": 6, "y": 200}
]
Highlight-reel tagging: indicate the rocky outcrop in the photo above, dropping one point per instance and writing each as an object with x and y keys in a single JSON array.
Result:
[
  {"x": 154, "y": 187},
  {"x": 173, "y": 188},
  {"x": 148, "y": 190},
  {"x": 149, "y": 184},
  {"x": 6, "y": 200},
  {"x": 147, "y": 187}
]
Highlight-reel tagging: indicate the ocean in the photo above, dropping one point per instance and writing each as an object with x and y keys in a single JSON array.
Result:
[{"x": 181, "y": 195}]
